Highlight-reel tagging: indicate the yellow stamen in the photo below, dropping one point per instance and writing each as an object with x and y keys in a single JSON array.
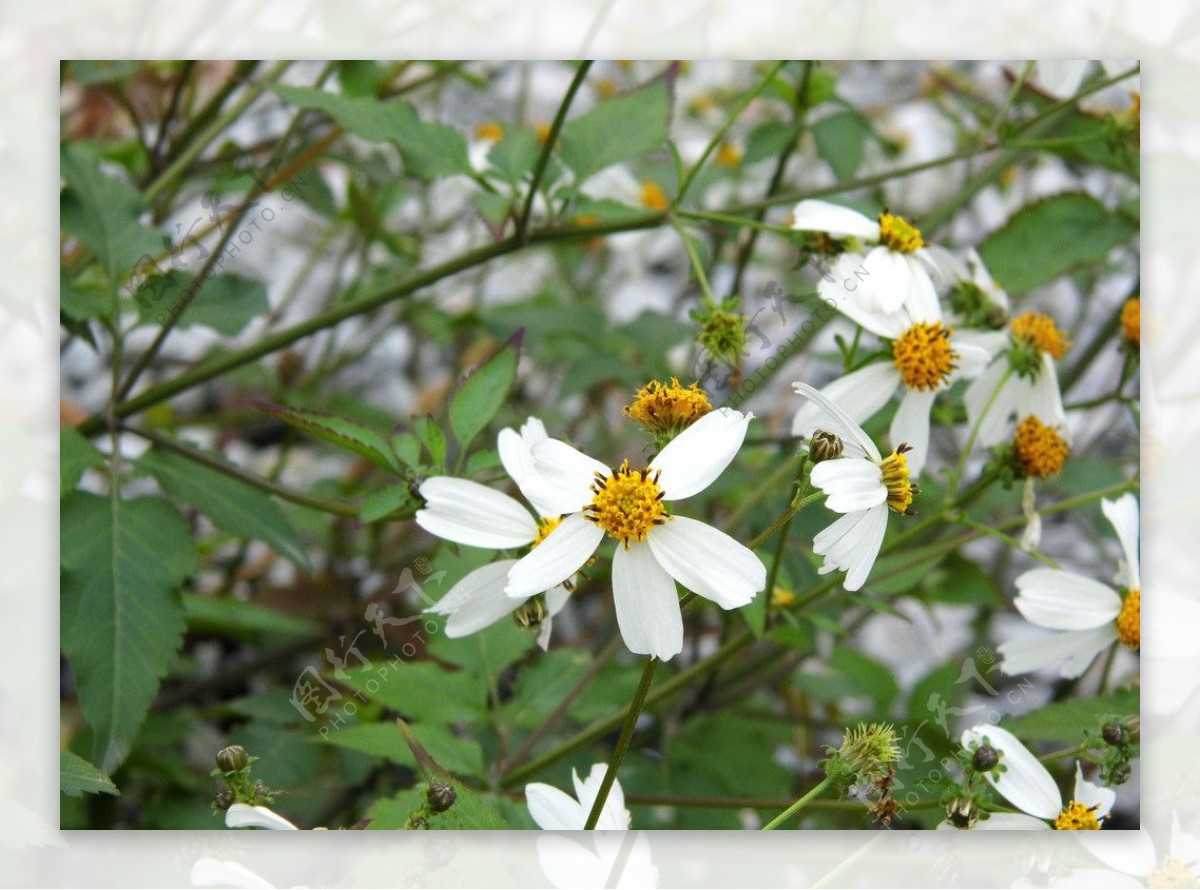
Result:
[
  {"x": 653, "y": 197},
  {"x": 1131, "y": 321},
  {"x": 1040, "y": 332},
  {"x": 895, "y": 478},
  {"x": 923, "y": 356},
  {"x": 898, "y": 234},
  {"x": 729, "y": 155},
  {"x": 546, "y": 525},
  {"x": 1041, "y": 450},
  {"x": 1129, "y": 621},
  {"x": 627, "y": 504},
  {"x": 1172, "y": 872},
  {"x": 668, "y": 409},
  {"x": 489, "y": 131},
  {"x": 781, "y": 597},
  {"x": 1076, "y": 817}
]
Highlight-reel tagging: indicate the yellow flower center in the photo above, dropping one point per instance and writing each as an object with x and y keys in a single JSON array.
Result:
[
  {"x": 729, "y": 155},
  {"x": 1076, "y": 817},
  {"x": 898, "y": 234},
  {"x": 1172, "y": 872},
  {"x": 923, "y": 355},
  {"x": 653, "y": 197},
  {"x": 1131, "y": 321},
  {"x": 1129, "y": 621},
  {"x": 1041, "y": 450},
  {"x": 781, "y": 597},
  {"x": 627, "y": 504},
  {"x": 1040, "y": 332},
  {"x": 546, "y": 525},
  {"x": 895, "y": 478},
  {"x": 543, "y": 133},
  {"x": 606, "y": 88},
  {"x": 489, "y": 131},
  {"x": 668, "y": 409}
]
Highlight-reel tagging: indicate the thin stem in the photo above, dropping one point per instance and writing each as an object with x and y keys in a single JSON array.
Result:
[
  {"x": 777, "y": 558},
  {"x": 960, "y": 468},
  {"x": 817, "y": 791},
  {"x": 697, "y": 266},
  {"x": 548, "y": 149},
  {"x": 618, "y": 754},
  {"x": 1009, "y": 540}
]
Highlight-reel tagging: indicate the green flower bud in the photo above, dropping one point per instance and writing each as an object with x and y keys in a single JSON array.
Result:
[
  {"x": 441, "y": 797},
  {"x": 232, "y": 759},
  {"x": 824, "y": 445},
  {"x": 986, "y": 758}
]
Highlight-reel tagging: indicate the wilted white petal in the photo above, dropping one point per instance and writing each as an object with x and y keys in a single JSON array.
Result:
[
  {"x": 1024, "y": 782},
  {"x": 468, "y": 513},
  {"x": 1065, "y": 601},
  {"x": 707, "y": 561},
  {"x": 648, "y": 612},
  {"x": 814, "y": 215},
  {"x": 850, "y": 483},
  {"x": 696, "y": 457}
]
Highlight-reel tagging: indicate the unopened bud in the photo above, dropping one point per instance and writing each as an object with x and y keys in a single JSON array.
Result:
[
  {"x": 224, "y": 799},
  {"x": 986, "y": 758},
  {"x": 1113, "y": 733},
  {"x": 441, "y": 797},
  {"x": 824, "y": 445},
  {"x": 1120, "y": 773},
  {"x": 232, "y": 759},
  {"x": 962, "y": 812}
]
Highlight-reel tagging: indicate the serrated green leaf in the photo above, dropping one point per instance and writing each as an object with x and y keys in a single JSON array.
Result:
[
  {"x": 232, "y": 505},
  {"x": 839, "y": 139},
  {"x": 432, "y": 437},
  {"x": 481, "y": 395},
  {"x": 620, "y": 129},
  {"x": 1067, "y": 721},
  {"x": 75, "y": 454},
  {"x": 122, "y": 622},
  {"x": 339, "y": 431},
  {"x": 1053, "y": 237},
  {"x": 225, "y": 303},
  {"x": 77, "y": 777},
  {"x": 422, "y": 691},
  {"x": 457, "y": 755},
  {"x": 541, "y": 685},
  {"x": 81, "y": 303},
  {"x": 408, "y": 448},
  {"x": 233, "y": 618},
  {"x": 513, "y": 156},
  {"x": 385, "y": 502},
  {"x": 487, "y": 653}
]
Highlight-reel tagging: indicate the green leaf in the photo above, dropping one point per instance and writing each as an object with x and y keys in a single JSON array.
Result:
[
  {"x": 80, "y": 303},
  {"x": 769, "y": 140},
  {"x": 385, "y": 502},
  {"x": 481, "y": 395},
  {"x": 233, "y": 618},
  {"x": 225, "y": 303},
  {"x": 620, "y": 129},
  {"x": 542, "y": 685},
  {"x": 102, "y": 212},
  {"x": 1067, "y": 721},
  {"x": 422, "y": 691},
  {"x": 338, "y": 430},
  {"x": 408, "y": 448},
  {"x": 75, "y": 454},
  {"x": 432, "y": 437},
  {"x": 429, "y": 149},
  {"x": 1053, "y": 237},
  {"x": 839, "y": 139},
  {"x": 514, "y": 156},
  {"x": 850, "y": 674},
  {"x": 487, "y": 653},
  {"x": 232, "y": 505},
  {"x": 458, "y": 755},
  {"x": 122, "y": 623},
  {"x": 77, "y": 777}
]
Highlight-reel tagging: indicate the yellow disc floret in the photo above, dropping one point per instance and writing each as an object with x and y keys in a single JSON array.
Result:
[
  {"x": 898, "y": 234},
  {"x": 653, "y": 196},
  {"x": 546, "y": 525},
  {"x": 1076, "y": 817},
  {"x": 1172, "y": 872},
  {"x": 489, "y": 131},
  {"x": 668, "y": 409},
  {"x": 1040, "y": 332},
  {"x": 1131, "y": 321},
  {"x": 627, "y": 504},
  {"x": 729, "y": 155},
  {"x": 1041, "y": 450},
  {"x": 895, "y": 478},
  {"x": 1129, "y": 621},
  {"x": 923, "y": 355},
  {"x": 781, "y": 597}
]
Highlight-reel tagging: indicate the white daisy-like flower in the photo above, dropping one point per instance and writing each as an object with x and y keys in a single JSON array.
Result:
[
  {"x": 927, "y": 358},
  {"x": 898, "y": 271},
  {"x": 1138, "y": 856},
  {"x": 863, "y": 485},
  {"x": 555, "y": 810},
  {"x": 468, "y": 513},
  {"x": 1020, "y": 778},
  {"x": 240, "y": 815},
  {"x": 656, "y": 548},
  {"x": 1089, "y": 616},
  {"x": 1031, "y": 388}
]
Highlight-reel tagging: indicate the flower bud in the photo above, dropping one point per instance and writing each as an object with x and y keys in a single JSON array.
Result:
[
  {"x": 1113, "y": 733},
  {"x": 232, "y": 759},
  {"x": 1120, "y": 773},
  {"x": 440, "y": 796},
  {"x": 986, "y": 758},
  {"x": 824, "y": 445},
  {"x": 224, "y": 799}
]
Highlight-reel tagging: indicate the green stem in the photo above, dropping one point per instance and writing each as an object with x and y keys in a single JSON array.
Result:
[
  {"x": 618, "y": 754},
  {"x": 697, "y": 266},
  {"x": 777, "y": 558},
  {"x": 817, "y": 791},
  {"x": 1009, "y": 540},
  {"x": 960, "y": 468}
]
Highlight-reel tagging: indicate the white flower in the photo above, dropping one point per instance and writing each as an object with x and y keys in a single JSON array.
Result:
[
  {"x": 863, "y": 485},
  {"x": 555, "y": 810},
  {"x": 1137, "y": 856},
  {"x": 883, "y": 279},
  {"x": 657, "y": 548},
  {"x": 468, "y": 513},
  {"x": 927, "y": 357},
  {"x": 240, "y": 815},
  {"x": 1089, "y": 615},
  {"x": 1021, "y": 779}
]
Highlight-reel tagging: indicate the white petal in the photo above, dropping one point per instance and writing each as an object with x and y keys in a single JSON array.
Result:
[
  {"x": 888, "y": 278},
  {"x": 613, "y": 815},
  {"x": 1076, "y": 649},
  {"x": 556, "y": 558},
  {"x": 554, "y": 810},
  {"x": 859, "y": 394},
  {"x": 850, "y": 483},
  {"x": 839, "y": 422},
  {"x": 1131, "y": 852},
  {"x": 993, "y": 426},
  {"x": 209, "y": 872},
  {"x": 556, "y": 599},
  {"x": 239, "y": 815},
  {"x": 1045, "y": 398},
  {"x": 696, "y": 457},
  {"x": 707, "y": 561},
  {"x": 478, "y": 600},
  {"x": 910, "y": 426},
  {"x": 468, "y": 513},
  {"x": 545, "y": 629},
  {"x": 1024, "y": 783},
  {"x": 921, "y": 301},
  {"x": 840, "y": 222},
  {"x": 648, "y": 612},
  {"x": 1092, "y": 795},
  {"x": 1065, "y": 601},
  {"x": 562, "y": 477},
  {"x": 1011, "y": 822},
  {"x": 1183, "y": 845},
  {"x": 852, "y": 543},
  {"x": 516, "y": 453},
  {"x": 843, "y": 285},
  {"x": 1123, "y": 514},
  {"x": 973, "y": 358}
]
